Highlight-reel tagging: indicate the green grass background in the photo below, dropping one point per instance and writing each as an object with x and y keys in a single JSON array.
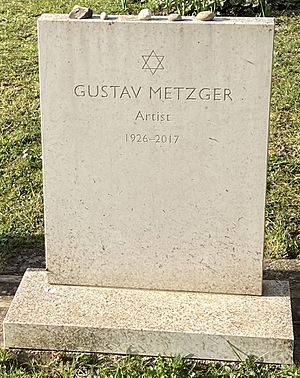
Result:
[{"x": 91, "y": 366}]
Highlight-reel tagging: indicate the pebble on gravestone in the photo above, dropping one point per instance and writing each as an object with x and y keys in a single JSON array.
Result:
[
  {"x": 205, "y": 16},
  {"x": 103, "y": 16},
  {"x": 79, "y": 12},
  {"x": 145, "y": 14},
  {"x": 174, "y": 17}
]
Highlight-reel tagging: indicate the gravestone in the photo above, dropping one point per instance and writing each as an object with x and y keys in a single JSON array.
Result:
[
  {"x": 155, "y": 153},
  {"x": 154, "y": 157}
]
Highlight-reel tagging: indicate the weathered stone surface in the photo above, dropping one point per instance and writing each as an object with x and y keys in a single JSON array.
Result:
[
  {"x": 126, "y": 18},
  {"x": 174, "y": 17},
  {"x": 79, "y": 12},
  {"x": 145, "y": 14},
  {"x": 155, "y": 161},
  {"x": 205, "y": 16},
  {"x": 208, "y": 326}
]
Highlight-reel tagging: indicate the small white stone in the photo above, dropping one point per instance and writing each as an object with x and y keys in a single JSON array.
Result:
[
  {"x": 205, "y": 16},
  {"x": 174, "y": 17},
  {"x": 145, "y": 14},
  {"x": 103, "y": 16}
]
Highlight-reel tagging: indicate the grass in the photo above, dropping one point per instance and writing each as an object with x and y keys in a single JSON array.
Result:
[
  {"x": 83, "y": 365},
  {"x": 283, "y": 194}
]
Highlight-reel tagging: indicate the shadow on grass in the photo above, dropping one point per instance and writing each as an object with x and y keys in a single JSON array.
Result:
[{"x": 17, "y": 253}]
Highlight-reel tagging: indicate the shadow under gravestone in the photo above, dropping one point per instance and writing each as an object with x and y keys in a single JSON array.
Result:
[
  {"x": 21, "y": 252},
  {"x": 17, "y": 253}
]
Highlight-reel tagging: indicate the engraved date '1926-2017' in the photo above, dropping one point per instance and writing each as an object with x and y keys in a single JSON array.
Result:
[{"x": 157, "y": 138}]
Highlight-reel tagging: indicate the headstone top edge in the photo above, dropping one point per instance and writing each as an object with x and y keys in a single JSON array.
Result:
[{"x": 268, "y": 21}]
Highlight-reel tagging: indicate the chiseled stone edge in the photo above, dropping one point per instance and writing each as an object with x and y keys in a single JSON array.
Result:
[
  {"x": 33, "y": 334},
  {"x": 120, "y": 341},
  {"x": 163, "y": 19}
]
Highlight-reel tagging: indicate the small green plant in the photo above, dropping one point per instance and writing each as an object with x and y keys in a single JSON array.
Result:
[
  {"x": 81, "y": 365},
  {"x": 183, "y": 7},
  {"x": 224, "y": 7},
  {"x": 124, "y": 5}
]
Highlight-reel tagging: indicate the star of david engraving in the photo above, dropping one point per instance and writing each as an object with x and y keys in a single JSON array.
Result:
[{"x": 153, "y": 62}]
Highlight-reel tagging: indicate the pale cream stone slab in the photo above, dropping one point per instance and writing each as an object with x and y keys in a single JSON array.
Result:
[
  {"x": 149, "y": 322},
  {"x": 182, "y": 206}
]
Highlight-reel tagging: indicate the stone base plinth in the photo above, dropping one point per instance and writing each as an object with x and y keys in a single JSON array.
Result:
[{"x": 205, "y": 326}]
